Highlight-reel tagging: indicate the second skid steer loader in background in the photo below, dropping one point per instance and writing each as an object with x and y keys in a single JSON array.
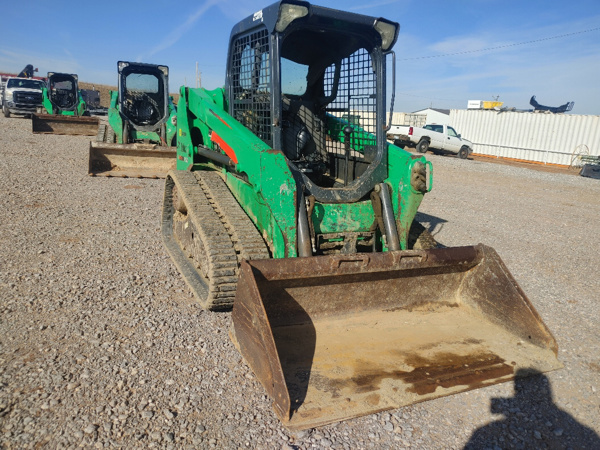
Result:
[
  {"x": 64, "y": 110},
  {"x": 289, "y": 205},
  {"x": 140, "y": 136}
]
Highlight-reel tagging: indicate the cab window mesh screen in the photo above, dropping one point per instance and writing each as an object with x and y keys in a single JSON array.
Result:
[
  {"x": 251, "y": 84},
  {"x": 356, "y": 98}
]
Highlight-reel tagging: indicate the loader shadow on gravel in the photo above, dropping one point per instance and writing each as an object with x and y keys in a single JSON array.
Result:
[
  {"x": 434, "y": 224},
  {"x": 532, "y": 420}
]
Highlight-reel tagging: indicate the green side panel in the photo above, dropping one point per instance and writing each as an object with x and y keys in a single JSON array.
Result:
[
  {"x": 263, "y": 215},
  {"x": 336, "y": 218},
  {"x": 81, "y": 105},
  {"x": 115, "y": 120},
  {"x": 185, "y": 122},
  {"x": 46, "y": 103},
  {"x": 277, "y": 186},
  {"x": 171, "y": 122},
  {"x": 405, "y": 198},
  {"x": 218, "y": 97}
]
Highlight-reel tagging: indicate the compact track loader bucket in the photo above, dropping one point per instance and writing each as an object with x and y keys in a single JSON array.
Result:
[
  {"x": 131, "y": 160},
  {"x": 336, "y": 337},
  {"x": 58, "y": 124}
]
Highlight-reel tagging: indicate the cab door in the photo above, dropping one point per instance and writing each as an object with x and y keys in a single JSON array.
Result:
[{"x": 452, "y": 141}]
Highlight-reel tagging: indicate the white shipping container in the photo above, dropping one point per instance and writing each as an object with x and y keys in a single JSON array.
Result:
[{"x": 541, "y": 137}]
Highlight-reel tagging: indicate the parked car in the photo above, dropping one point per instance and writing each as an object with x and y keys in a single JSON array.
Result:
[
  {"x": 21, "y": 96},
  {"x": 431, "y": 136}
]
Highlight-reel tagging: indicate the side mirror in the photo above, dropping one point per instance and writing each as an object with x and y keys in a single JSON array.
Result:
[{"x": 458, "y": 135}]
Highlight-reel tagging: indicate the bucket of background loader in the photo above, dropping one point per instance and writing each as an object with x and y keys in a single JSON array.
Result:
[
  {"x": 58, "y": 124},
  {"x": 131, "y": 160},
  {"x": 336, "y": 337}
]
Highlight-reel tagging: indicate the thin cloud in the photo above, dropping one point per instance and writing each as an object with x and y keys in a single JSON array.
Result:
[
  {"x": 14, "y": 60},
  {"x": 461, "y": 44},
  {"x": 236, "y": 10},
  {"x": 373, "y": 5},
  {"x": 178, "y": 32}
]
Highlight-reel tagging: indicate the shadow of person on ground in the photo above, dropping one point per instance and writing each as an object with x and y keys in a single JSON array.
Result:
[{"x": 532, "y": 420}]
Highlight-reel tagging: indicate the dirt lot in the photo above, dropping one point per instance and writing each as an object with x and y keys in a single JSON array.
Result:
[{"x": 101, "y": 344}]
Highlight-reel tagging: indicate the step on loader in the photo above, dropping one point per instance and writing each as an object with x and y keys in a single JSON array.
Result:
[
  {"x": 63, "y": 109},
  {"x": 139, "y": 139},
  {"x": 289, "y": 206}
]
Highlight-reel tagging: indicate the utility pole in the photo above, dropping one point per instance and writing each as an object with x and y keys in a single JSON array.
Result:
[{"x": 198, "y": 77}]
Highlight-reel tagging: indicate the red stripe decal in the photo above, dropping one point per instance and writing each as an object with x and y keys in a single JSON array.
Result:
[
  {"x": 226, "y": 148},
  {"x": 215, "y": 114}
]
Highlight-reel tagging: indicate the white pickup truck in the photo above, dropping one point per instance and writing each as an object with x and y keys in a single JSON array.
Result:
[
  {"x": 21, "y": 96},
  {"x": 435, "y": 137}
]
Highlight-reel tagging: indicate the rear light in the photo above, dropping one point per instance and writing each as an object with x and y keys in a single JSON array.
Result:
[{"x": 410, "y": 131}]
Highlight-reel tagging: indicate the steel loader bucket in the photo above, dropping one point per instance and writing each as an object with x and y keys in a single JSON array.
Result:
[
  {"x": 131, "y": 160},
  {"x": 57, "y": 124},
  {"x": 335, "y": 337}
]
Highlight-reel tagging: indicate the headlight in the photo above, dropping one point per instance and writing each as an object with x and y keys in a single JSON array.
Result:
[
  {"x": 287, "y": 14},
  {"x": 388, "y": 32},
  {"x": 174, "y": 120}
]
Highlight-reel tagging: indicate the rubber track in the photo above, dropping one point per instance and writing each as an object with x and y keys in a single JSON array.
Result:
[
  {"x": 101, "y": 133},
  {"x": 247, "y": 241},
  {"x": 109, "y": 136},
  {"x": 210, "y": 207}
]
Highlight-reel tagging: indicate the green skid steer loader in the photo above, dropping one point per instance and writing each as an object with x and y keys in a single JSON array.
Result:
[
  {"x": 64, "y": 110},
  {"x": 289, "y": 205},
  {"x": 139, "y": 140}
]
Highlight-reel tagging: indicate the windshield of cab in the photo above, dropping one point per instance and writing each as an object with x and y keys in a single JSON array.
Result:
[
  {"x": 26, "y": 84},
  {"x": 293, "y": 77}
]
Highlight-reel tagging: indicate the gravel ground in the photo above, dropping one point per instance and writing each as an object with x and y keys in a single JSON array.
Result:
[{"x": 101, "y": 344}]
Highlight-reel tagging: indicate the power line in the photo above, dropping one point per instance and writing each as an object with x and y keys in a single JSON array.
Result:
[
  {"x": 502, "y": 46},
  {"x": 429, "y": 98}
]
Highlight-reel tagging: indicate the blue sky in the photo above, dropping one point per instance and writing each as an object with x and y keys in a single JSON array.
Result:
[{"x": 88, "y": 38}]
